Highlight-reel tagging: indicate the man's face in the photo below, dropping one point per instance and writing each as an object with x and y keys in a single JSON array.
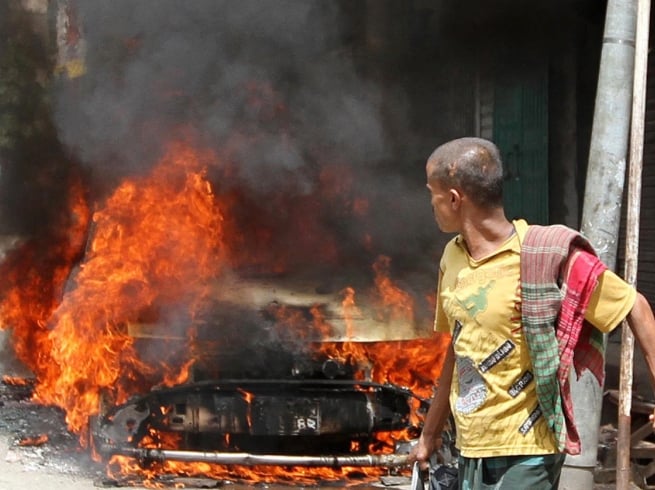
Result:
[{"x": 444, "y": 206}]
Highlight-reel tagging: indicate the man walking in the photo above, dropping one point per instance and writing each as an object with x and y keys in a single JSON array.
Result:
[{"x": 523, "y": 304}]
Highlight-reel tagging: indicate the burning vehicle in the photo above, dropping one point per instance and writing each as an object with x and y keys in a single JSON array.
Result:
[
  {"x": 181, "y": 363},
  {"x": 211, "y": 300}
]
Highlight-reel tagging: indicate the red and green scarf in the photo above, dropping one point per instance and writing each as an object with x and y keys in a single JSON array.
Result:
[{"x": 559, "y": 272}]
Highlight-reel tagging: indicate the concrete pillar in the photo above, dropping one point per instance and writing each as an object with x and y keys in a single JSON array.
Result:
[{"x": 602, "y": 205}]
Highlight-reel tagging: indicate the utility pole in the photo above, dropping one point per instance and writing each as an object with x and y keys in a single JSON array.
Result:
[
  {"x": 624, "y": 442},
  {"x": 601, "y": 214}
]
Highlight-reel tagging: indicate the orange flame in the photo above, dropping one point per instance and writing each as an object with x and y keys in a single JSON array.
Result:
[
  {"x": 123, "y": 468},
  {"x": 15, "y": 380},
  {"x": 158, "y": 246},
  {"x": 34, "y": 275},
  {"x": 395, "y": 303},
  {"x": 39, "y": 440},
  {"x": 350, "y": 310}
]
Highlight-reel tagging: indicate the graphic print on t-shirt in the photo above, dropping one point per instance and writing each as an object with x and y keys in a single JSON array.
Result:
[
  {"x": 472, "y": 388},
  {"x": 457, "y": 330},
  {"x": 476, "y": 302},
  {"x": 496, "y": 356},
  {"x": 520, "y": 384},
  {"x": 530, "y": 421}
]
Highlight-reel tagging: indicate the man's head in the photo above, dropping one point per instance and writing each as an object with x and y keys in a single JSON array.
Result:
[
  {"x": 465, "y": 170},
  {"x": 472, "y": 166}
]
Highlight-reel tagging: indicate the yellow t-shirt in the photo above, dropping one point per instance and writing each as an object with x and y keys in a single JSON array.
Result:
[{"x": 493, "y": 397}]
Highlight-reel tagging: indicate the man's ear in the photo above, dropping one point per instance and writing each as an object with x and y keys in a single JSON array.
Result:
[{"x": 455, "y": 198}]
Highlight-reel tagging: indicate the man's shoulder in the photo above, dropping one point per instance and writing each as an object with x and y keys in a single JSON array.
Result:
[
  {"x": 552, "y": 235},
  {"x": 451, "y": 251},
  {"x": 453, "y": 245},
  {"x": 555, "y": 229}
]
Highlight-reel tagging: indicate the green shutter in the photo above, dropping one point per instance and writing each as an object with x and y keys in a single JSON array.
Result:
[{"x": 520, "y": 130}]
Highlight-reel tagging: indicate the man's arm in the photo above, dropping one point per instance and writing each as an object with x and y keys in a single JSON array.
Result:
[
  {"x": 437, "y": 413},
  {"x": 642, "y": 324}
]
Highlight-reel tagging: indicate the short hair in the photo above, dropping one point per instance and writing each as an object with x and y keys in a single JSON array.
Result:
[{"x": 472, "y": 165}]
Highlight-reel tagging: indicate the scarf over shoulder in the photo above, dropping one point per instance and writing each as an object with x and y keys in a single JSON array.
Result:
[{"x": 559, "y": 272}]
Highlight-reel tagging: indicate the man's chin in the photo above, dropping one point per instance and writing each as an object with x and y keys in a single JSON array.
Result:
[{"x": 445, "y": 229}]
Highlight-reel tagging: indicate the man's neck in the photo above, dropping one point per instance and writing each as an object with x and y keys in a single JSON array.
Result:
[{"x": 485, "y": 234}]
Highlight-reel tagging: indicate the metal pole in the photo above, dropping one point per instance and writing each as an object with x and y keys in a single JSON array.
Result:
[
  {"x": 602, "y": 206},
  {"x": 601, "y": 214},
  {"x": 623, "y": 472},
  {"x": 248, "y": 459}
]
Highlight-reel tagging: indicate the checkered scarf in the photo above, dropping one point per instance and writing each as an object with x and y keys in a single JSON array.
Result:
[{"x": 559, "y": 271}]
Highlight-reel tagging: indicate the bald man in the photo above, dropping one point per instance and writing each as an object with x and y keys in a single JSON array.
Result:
[{"x": 522, "y": 304}]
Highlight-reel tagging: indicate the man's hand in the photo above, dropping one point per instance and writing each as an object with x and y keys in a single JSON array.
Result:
[
  {"x": 422, "y": 451},
  {"x": 430, "y": 439}
]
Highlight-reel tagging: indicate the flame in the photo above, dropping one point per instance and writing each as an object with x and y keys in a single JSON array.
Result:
[
  {"x": 39, "y": 440},
  {"x": 248, "y": 397},
  {"x": 350, "y": 310},
  {"x": 408, "y": 363},
  {"x": 152, "y": 253},
  {"x": 156, "y": 243},
  {"x": 34, "y": 275},
  {"x": 123, "y": 468},
  {"x": 394, "y": 302},
  {"x": 15, "y": 380}
]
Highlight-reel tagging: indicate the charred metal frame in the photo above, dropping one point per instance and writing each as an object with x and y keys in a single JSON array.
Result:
[{"x": 315, "y": 422}]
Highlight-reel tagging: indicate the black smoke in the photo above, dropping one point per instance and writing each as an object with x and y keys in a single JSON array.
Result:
[
  {"x": 275, "y": 88},
  {"x": 274, "y": 73}
]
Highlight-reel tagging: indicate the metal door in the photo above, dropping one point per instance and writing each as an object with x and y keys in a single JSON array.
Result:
[{"x": 520, "y": 130}]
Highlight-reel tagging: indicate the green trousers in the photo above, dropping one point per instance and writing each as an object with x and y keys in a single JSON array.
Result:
[{"x": 510, "y": 472}]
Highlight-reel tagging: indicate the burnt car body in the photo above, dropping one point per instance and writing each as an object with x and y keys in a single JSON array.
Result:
[{"x": 259, "y": 394}]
